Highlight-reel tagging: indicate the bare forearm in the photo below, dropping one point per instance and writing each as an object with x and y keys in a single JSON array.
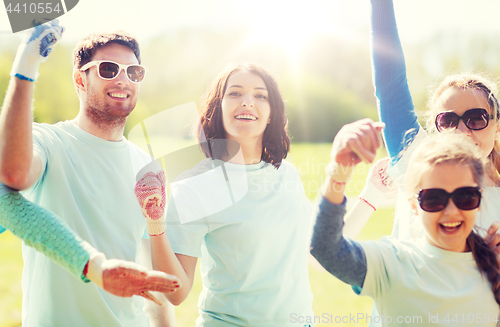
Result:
[
  {"x": 333, "y": 191},
  {"x": 16, "y": 143},
  {"x": 159, "y": 315},
  {"x": 164, "y": 259}
]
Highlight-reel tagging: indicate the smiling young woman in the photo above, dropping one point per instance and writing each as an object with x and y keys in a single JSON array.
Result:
[
  {"x": 243, "y": 209},
  {"x": 436, "y": 275},
  {"x": 274, "y": 141},
  {"x": 246, "y": 113}
]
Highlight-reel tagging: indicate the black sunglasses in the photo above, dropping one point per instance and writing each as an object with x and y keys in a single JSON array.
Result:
[
  {"x": 109, "y": 70},
  {"x": 475, "y": 119},
  {"x": 436, "y": 199}
]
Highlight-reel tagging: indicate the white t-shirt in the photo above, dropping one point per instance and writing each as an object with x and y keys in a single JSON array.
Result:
[
  {"x": 416, "y": 284},
  {"x": 250, "y": 226},
  {"x": 89, "y": 183}
]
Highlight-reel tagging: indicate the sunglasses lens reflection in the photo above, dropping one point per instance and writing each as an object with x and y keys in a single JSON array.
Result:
[
  {"x": 446, "y": 120},
  {"x": 467, "y": 198},
  {"x": 108, "y": 70},
  {"x": 477, "y": 120},
  {"x": 433, "y": 200},
  {"x": 474, "y": 119},
  {"x": 136, "y": 73}
]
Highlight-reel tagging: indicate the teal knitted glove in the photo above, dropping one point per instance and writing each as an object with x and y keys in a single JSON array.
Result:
[{"x": 44, "y": 231}]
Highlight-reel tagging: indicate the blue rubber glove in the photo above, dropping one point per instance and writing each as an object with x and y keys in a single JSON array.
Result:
[{"x": 35, "y": 50}]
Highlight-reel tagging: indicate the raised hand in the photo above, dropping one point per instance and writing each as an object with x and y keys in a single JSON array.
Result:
[
  {"x": 151, "y": 194},
  {"x": 354, "y": 143},
  {"x": 493, "y": 237},
  {"x": 35, "y": 50},
  {"x": 125, "y": 279},
  {"x": 379, "y": 185},
  {"x": 357, "y": 142}
]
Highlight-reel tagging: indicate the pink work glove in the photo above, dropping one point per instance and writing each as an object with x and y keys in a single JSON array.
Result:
[{"x": 151, "y": 194}]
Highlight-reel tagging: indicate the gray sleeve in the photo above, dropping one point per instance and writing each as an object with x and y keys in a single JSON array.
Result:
[{"x": 343, "y": 258}]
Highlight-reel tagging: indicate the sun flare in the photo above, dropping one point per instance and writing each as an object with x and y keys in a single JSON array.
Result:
[{"x": 290, "y": 25}]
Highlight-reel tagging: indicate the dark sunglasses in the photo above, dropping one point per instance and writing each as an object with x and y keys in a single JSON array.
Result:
[
  {"x": 109, "y": 70},
  {"x": 436, "y": 199},
  {"x": 475, "y": 119}
]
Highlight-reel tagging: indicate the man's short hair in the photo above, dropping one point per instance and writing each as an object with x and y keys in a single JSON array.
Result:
[{"x": 87, "y": 47}]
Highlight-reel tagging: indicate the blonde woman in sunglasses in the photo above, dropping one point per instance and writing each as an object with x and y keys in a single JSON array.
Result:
[
  {"x": 465, "y": 104},
  {"x": 448, "y": 277}
]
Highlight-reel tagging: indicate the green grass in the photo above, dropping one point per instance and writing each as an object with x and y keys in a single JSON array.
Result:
[
  {"x": 310, "y": 159},
  {"x": 331, "y": 296},
  {"x": 10, "y": 280}
]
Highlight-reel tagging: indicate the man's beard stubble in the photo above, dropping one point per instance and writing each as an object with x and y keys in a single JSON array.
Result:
[{"x": 102, "y": 115}]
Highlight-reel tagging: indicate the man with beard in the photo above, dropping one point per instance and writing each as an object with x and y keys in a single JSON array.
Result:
[{"x": 83, "y": 170}]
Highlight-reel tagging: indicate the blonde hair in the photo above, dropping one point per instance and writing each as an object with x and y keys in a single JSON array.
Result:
[
  {"x": 469, "y": 81},
  {"x": 448, "y": 147}
]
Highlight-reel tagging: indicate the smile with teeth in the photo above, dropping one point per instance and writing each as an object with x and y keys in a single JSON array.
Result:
[
  {"x": 246, "y": 117},
  {"x": 118, "y": 95},
  {"x": 451, "y": 225}
]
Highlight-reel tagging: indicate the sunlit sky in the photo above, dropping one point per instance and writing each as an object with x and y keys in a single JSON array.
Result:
[{"x": 286, "y": 22}]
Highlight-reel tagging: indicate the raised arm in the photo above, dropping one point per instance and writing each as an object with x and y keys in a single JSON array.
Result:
[
  {"x": 379, "y": 187},
  {"x": 394, "y": 102},
  {"x": 19, "y": 168},
  {"x": 343, "y": 258},
  {"x": 151, "y": 194}
]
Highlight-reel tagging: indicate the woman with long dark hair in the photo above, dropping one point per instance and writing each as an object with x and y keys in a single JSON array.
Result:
[{"x": 242, "y": 210}]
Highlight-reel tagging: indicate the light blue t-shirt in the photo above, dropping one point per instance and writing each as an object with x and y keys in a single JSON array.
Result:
[
  {"x": 89, "y": 183},
  {"x": 249, "y": 224},
  {"x": 416, "y": 284}
]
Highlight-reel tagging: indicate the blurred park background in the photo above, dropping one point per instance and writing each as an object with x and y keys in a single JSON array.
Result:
[{"x": 319, "y": 51}]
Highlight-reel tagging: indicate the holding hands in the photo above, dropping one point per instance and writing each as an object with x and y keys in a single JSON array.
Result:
[
  {"x": 354, "y": 143},
  {"x": 35, "y": 50}
]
